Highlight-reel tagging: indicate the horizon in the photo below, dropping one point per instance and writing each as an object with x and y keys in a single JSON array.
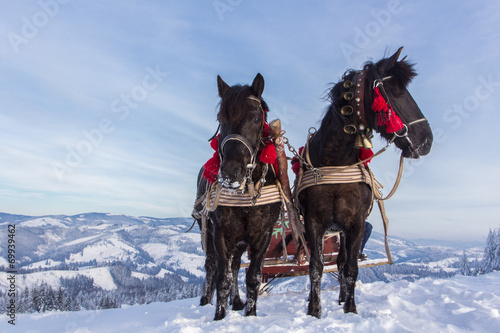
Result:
[
  {"x": 454, "y": 243},
  {"x": 108, "y": 107}
]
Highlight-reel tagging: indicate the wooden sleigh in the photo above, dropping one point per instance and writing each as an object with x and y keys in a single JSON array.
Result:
[{"x": 287, "y": 265}]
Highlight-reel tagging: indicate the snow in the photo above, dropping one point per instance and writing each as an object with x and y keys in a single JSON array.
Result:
[
  {"x": 43, "y": 221},
  {"x": 105, "y": 250},
  {"x": 458, "y": 304},
  {"x": 44, "y": 264},
  {"x": 101, "y": 275},
  {"x": 80, "y": 240},
  {"x": 156, "y": 250}
]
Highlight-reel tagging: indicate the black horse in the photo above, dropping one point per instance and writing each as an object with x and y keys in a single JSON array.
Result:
[
  {"x": 210, "y": 252},
  {"x": 231, "y": 229},
  {"x": 349, "y": 121}
]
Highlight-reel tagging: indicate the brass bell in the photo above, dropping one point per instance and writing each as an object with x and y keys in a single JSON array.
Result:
[
  {"x": 358, "y": 142},
  {"x": 347, "y": 84},
  {"x": 348, "y": 96},
  {"x": 350, "y": 129},
  {"x": 346, "y": 110},
  {"x": 367, "y": 144}
]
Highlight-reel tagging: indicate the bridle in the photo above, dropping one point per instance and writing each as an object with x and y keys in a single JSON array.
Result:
[
  {"x": 379, "y": 83},
  {"x": 254, "y": 150}
]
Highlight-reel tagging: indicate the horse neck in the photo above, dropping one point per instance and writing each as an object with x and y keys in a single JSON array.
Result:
[{"x": 331, "y": 146}]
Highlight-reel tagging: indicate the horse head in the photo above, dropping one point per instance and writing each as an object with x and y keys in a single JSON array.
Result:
[
  {"x": 392, "y": 78},
  {"x": 377, "y": 98},
  {"x": 242, "y": 117}
]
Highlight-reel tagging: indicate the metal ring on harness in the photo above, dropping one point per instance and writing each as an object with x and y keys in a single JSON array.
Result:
[{"x": 404, "y": 134}]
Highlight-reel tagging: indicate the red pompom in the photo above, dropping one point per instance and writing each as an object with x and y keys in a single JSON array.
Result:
[
  {"x": 364, "y": 154},
  {"x": 296, "y": 162},
  {"x": 296, "y": 167},
  {"x": 379, "y": 102},
  {"x": 394, "y": 124},
  {"x": 266, "y": 131},
  {"x": 215, "y": 143},
  {"x": 268, "y": 153},
  {"x": 211, "y": 168}
]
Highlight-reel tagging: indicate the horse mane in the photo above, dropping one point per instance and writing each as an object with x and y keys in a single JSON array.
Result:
[
  {"x": 402, "y": 71},
  {"x": 233, "y": 103}
]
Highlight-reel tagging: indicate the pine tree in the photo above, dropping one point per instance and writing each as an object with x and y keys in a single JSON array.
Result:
[
  {"x": 476, "y": 267},
  {"x": 50, "y": 299},
  {"x": 35, "y": 300},
  {"x": 496, "y": 250},
  {"x": 25, "y": 303},
  {"x": 464, "y": 266},
  {"x": 60, "y": 300},
  {"x": 68, "y": 304},
  {"x": 489, "y": 254}
]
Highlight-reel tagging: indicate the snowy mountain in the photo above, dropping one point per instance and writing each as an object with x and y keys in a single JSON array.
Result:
[
  {"x": 147, "y": 245},
  {"x": 141, "y": 260}
]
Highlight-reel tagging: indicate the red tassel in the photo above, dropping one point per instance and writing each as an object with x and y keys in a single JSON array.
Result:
[
  {"x": 364, "y": 154},
  {"x": 268, "y": 153},
  {"x": 296, "y": 167},
  {"x": 266, "y": 131},
  {"x": 296, "y": 162},
  {"x": 211, "y": 168},
  {"x": 215, "y": 143},
  {"x": 379, "y": 102},
  {"x": 394, "y": 124}
]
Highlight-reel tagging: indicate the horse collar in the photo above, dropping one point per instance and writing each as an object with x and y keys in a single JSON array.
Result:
[{"x": 359, "y": 99}]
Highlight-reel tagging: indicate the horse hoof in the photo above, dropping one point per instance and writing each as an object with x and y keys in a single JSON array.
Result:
[
  {"x": 238, "y": 305},
  {"x": 252, "y": 312},
  {"x": 204, "y": 301},
  {"x": 350, "y": 309},
  {"x": 314, "y": 312},
  {"x": 219, "y": 316}
]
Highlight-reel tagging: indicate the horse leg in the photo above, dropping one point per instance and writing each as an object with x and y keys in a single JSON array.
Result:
[
  {"x": 353, "y": 240},
  {"x": 341, "y": 259},
  {"x": 224, "y": 274},
  {"x": 258, "y": 250},
  {"x": 315, "y": 232},
  {"x": 235, "y": 299},
  {"x": 210, "y": 268}
]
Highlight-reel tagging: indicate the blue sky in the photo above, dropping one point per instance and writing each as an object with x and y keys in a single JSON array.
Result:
[{"x": 107, "y": 105}]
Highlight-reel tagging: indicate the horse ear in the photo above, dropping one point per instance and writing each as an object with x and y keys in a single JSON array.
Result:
[
  {"x": 222, "y": 86},
  {"x": 258, "y": 85},
  {"x": 392, "y": 60}
]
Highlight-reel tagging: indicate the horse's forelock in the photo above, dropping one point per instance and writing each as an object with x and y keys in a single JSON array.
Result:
[{"x": 232, "y": 105}]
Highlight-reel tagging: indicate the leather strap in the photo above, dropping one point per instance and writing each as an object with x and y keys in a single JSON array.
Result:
[{"x": 359, "y": 98}]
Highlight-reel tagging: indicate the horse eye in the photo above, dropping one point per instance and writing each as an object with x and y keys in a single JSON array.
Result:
[{"x": 257, "y": 120}]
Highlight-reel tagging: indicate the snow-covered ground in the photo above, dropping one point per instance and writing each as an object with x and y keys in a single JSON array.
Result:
[{"x": 458, "y": 304}]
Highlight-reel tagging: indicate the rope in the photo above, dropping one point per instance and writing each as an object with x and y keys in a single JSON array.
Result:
[
  {"x": 396, "y": 184},
  {"x": 192, "y": 225}
]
